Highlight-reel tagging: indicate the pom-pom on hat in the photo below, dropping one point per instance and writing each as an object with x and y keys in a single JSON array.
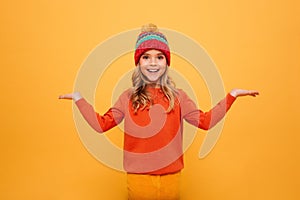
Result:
[{"x": 151, "y": 38}]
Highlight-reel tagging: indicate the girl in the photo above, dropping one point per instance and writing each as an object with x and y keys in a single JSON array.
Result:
[{"x": 153, "y": 111}]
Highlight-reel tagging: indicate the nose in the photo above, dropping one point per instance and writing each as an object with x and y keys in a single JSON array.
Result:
[{"x": 153, "y": 61}]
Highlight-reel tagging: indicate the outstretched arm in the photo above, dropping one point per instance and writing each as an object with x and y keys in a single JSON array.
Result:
[
  {"x": 99, "y": 123},
  {"x": 206, "y": 120}
]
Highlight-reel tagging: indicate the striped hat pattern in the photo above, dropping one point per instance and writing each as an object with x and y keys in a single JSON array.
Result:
[{"x": 151, "y": 40}]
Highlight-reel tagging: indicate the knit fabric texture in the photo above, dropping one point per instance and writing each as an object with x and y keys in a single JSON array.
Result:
[{"x": 151, "y": 40}]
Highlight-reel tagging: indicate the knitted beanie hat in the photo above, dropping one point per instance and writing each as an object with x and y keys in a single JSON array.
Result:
[{"x": 151, "y": 38}]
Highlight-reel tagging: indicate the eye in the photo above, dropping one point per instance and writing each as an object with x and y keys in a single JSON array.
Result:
[
  {"x": 161, "y": 57},
  {"x": 145, "y": 57}
]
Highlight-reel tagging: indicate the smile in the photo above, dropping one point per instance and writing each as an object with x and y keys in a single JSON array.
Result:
[{"x": 152, "y": 70}]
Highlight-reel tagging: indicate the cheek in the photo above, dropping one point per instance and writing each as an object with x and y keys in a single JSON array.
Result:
[
  {"x": 142, "y": 69},
  {"x": 163, "y": 62},
  {"x": 141, "y": 62},
  {"x": 164, "y": 66}
]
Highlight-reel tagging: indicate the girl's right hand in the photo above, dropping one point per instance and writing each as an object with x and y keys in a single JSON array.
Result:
[{"x": 72, "y": 96}]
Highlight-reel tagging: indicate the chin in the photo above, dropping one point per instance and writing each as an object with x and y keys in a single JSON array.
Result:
[{"x": 152, "y": 81}]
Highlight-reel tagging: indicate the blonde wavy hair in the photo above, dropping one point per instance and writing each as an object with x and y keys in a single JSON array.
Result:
[{"x": 140, "y": 98}]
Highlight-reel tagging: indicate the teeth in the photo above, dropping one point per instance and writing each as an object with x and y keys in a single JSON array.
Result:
[{"x": 152, "y": 70}]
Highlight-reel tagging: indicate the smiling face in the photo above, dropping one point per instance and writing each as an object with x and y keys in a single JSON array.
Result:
[{"x": 153, "y": 65}]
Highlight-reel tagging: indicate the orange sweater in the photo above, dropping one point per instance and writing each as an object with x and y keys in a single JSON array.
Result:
[{"x": 153, "y": 138}]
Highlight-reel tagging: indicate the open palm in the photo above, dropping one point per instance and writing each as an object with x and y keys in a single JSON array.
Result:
[{"x": 242, "y": 92}]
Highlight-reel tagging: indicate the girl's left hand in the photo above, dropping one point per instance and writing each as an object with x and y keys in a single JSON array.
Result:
[
  {"x": 242, "y": 92},
  {"x": 71, "y": 96}
]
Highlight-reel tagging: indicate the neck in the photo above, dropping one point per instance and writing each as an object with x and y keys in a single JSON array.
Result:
[{"x": 153, "y": 85}]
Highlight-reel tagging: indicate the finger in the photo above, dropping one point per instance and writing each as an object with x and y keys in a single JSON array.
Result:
[
  {"x": 254, "y": 93},
  {"x": 65, "y": 96}
]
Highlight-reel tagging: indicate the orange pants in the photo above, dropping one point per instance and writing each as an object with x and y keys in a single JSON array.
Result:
[{"x": 153, "y": 187}]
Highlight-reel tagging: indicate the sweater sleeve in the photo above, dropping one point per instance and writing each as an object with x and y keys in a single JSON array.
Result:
[
  {"x": 101, "y": 123},
  {"x": 204, "y": 120}
]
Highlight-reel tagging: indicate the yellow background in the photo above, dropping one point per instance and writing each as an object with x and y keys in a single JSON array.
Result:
[{"x": 255, "y": 44}]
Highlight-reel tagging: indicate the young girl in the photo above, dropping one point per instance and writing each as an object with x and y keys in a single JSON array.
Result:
[{"x": 153, "y": 111}]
